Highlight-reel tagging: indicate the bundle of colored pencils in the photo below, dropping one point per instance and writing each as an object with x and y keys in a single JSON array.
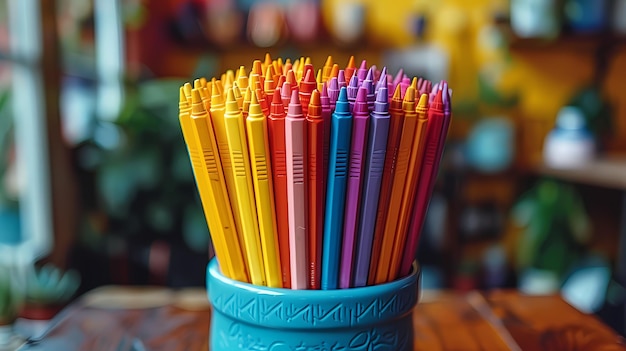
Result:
[{"x": 314, "y": 180}]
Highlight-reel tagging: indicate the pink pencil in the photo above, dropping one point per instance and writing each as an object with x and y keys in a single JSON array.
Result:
[{"x": 295, "y": 145}]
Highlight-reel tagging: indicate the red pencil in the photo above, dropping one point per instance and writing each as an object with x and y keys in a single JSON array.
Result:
[{"x": 276, "y": 135}]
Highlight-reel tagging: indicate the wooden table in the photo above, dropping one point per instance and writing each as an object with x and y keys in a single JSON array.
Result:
[{"x": 165, "y": 320}]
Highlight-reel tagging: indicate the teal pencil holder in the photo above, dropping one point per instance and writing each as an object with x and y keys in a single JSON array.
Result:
[{"x": 250, "y": 317}]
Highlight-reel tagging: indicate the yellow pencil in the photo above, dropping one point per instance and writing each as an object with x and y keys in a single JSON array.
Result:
[
  {"x": 242, "y": 78},
  {"x": 244, "y": 191},
  {"x": 217, "y": 118},
  {"x": 202, "y": 146},
  {"x": 258, "y": 144}
]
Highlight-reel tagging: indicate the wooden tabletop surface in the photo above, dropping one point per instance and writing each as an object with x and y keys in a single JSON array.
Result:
[{"x": 137, "y": 319}]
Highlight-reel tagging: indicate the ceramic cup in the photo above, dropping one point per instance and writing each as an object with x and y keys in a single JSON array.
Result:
[{"x": 250, "y": 317}]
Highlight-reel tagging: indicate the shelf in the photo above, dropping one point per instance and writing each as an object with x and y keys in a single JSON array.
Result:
[
  {"x": 567, "y": 40},
  {"x": 607, "y": 172},
  {"x": 572, "y": 42}
]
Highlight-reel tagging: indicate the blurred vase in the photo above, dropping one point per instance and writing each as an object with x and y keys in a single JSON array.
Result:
[
  {"x": 490, "y": 145},
  {"x": 536, "y": 18}
]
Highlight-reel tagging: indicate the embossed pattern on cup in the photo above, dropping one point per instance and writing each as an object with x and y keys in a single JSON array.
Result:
[{"x": 255, "y": 318}]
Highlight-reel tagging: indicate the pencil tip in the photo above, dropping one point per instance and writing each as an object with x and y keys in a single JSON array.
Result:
[{"x": 315, "y": 98}]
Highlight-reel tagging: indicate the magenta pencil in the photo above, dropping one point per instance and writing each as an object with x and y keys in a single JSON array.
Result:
[{"x": 358, "y": 150}]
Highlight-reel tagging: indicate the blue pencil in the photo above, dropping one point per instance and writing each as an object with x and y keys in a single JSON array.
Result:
[{"x": 340, "y": 134}]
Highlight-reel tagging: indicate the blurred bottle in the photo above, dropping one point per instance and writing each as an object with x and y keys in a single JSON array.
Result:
[
  {"x": 570, "y": 143},
  {"x": 303, "y": 19},
  {"x": 348, "y": 22},
  {"x": 495, "y": 267},
  {"x": 224, "y": 22},
  {"x": 587, "y": 16},
  {"x": 536, "y": 18},
  {"x": 266, "y": 24},
  {"x": 619, "y": 16}
]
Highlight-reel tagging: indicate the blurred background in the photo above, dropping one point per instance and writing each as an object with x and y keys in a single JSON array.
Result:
[{"x": 96, "y": 187}]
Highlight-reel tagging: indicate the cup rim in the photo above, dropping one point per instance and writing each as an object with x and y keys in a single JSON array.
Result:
[
  {"x": 279, "y": 308},
  {"x": 214, "y": 271}
]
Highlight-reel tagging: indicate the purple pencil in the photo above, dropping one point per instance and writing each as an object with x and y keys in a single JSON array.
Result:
[
  {"x": 372, "y": 178},
  {"x": 368, "y": 83},
  {"x": 382, "y": 80},
  {"x": 358, "y": 149},
  {"x": 362, "y": 71},
  {"x": 333, "y": 92},
  {"x": 341, "y": 79},
  {"x": 353, "y": 90}
]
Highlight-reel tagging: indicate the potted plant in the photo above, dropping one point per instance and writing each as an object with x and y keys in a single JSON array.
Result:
[
  {"x": 554, "y": 230},
  {"x": 46, "y": 291}
]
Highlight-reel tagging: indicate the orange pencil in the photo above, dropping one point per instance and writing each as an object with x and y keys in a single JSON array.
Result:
[
  {"x": 350, "y": 69},
  {"x": 333, "y": 72},
  {"x": 263, "y": 102},
  {"x": 269, "y": 85},
  {"x": 287, "y": 67},
  {"x": 276, "y": 134},
  {"x": 315, "y": 172},
  {"x": 408, "y": 197},
  {"x": 399, "y": 185},
  {"x": 393, "y": 141},
  {"x": 291, "y": 79},
  {"x": 257, "y": 68},
  {"x": 268, "y": 60}
]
